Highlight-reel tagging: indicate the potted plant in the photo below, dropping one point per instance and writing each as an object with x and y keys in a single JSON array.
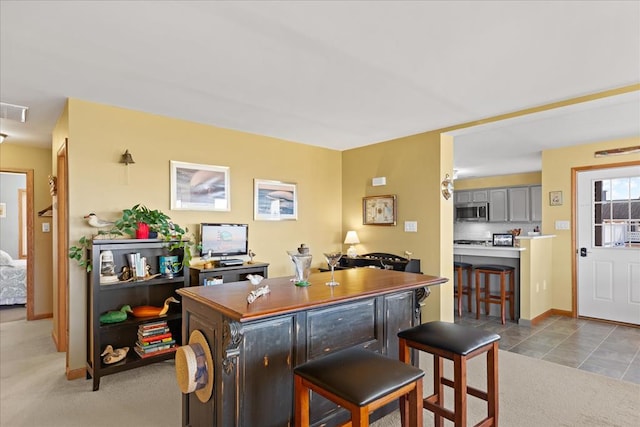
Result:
[{"x": 130, "y": 224}]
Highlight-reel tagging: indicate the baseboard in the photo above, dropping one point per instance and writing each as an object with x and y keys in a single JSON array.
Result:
[
  {"x": 548, "y": 313},
  {"x": 42, "y": 316},
  {"x": 76, "y": 373}
]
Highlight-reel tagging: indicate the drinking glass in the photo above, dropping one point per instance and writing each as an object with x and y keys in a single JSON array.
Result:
[{"x": 332, "y": 259}]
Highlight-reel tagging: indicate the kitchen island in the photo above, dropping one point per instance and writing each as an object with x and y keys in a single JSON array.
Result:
[
  {"x": 256, "y": 346},
  {"x": 532, "y": 262}
]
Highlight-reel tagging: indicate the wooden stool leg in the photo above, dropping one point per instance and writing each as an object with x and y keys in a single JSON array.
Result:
[
  {"x": 404, "y": 355},
  {"x": 512, "y": 287},
  {"x": 503, "y": 298},
  {"x": 459, "y": 291},
  {"x": 460, "y": 390},
  {"x": 438, "y": 388},
  {"x": 492, "y": 383},
  {"x": 301, "y": 403},
  {"x": 469, "y": 274},
  {"x": 487, "y": 293},
  {"x": 478, "y": 290}
]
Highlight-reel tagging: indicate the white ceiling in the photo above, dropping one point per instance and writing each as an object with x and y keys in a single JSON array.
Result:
[{"x": 334, "y": 74}]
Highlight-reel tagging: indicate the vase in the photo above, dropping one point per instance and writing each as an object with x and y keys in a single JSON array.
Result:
[
  {"x": 142, "y": 232},
  {"x": 302, "y": 265}
]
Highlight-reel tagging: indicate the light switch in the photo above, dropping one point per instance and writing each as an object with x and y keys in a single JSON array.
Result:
[
  {"x": 563, "y": 225},
  {"x": 46, "y": 227},
  {"x": 411, "y": 226}
]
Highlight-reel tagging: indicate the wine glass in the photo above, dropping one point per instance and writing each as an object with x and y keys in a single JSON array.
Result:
[{"x": 332, "y": 259}]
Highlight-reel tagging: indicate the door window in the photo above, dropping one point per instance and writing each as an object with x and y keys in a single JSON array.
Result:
[{"x": 616, "y": 208}]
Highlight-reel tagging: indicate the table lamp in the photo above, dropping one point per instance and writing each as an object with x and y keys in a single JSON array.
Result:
[{"x": 351, "y": 239}]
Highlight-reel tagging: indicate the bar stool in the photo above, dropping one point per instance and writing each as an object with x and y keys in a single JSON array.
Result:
[
  {"x": 461, "y": 289},
  {"x": 360, "y": 381},
  {"x": 456, "y": 343},
  {"x": 483, "y": 294}
]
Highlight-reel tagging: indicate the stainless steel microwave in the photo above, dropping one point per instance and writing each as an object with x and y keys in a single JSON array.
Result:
[{"x": 476, "y": 212}]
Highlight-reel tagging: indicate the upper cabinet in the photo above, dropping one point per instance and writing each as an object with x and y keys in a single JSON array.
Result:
[
  {"x": 535, "y": 194},
  {"x": 471, "y": 196},
  {"x": 498, "y": 205},
  {"x": 519, "y": 204}
]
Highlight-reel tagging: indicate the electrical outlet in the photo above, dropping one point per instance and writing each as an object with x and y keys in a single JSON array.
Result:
[
  {"x": 46, "y": 227},
  {"x": 563, "y": 225}
]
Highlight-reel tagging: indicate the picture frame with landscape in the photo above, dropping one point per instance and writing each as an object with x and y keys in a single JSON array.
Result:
[
  {"x": 275, "y": 200},
  {"x": 199, "y": 187}
]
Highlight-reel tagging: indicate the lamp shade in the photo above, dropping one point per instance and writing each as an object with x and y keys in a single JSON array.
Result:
[{"x": 351, "y": 238}]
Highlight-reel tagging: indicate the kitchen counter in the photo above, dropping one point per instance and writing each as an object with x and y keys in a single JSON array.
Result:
[{"x": 490, "y": 251}]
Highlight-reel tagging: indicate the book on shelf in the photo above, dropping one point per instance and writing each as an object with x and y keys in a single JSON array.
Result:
[
  {"x": 153, "y": 325},
  {"x": 155, "y": 347},
  {"x": 143, "y": 354},
  {"x": 153, "y": 331},
  {"x": 154, "y": 337},
  {"x": 147, "y": 344}
]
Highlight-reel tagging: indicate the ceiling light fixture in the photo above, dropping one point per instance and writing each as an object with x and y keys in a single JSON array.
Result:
[
  {"x": 2, "y": 137},
  {"x": 618, "y": 151}
]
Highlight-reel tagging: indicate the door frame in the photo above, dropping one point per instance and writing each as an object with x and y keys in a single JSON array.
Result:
[
  {"x": 61, "y": 327},
  {"x": 30, "y": 237},
  {"x": 574, "y": 224}
]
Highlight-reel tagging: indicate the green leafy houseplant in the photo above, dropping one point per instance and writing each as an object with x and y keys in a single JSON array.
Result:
[{"x": 157, "y": 221}]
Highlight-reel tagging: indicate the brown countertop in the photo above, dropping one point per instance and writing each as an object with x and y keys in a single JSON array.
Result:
[{"x": 285, "y": 297}]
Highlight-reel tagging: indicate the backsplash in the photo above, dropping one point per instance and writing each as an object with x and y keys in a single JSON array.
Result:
[{"x": 485, "y": 230}]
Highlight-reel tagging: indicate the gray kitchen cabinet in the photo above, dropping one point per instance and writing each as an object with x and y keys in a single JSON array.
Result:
[
  {"x": 498, "y": 205},
  {"x": 518, "y": 204},
  {"x": 535, "y": 193},
  {"x": 471, "y": 196}
]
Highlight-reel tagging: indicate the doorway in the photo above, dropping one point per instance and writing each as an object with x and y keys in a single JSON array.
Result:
[
  {"x": 23, "y": 240},
  {"x": 608, "y": 244}
]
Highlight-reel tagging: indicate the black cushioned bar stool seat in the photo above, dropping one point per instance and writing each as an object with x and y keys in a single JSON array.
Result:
[
  {"x": 462, "y": 289},
  {"x": 483, "y": 293},
  {"x": 456, "y": 343},
  {"x": 360, "y": 381}
]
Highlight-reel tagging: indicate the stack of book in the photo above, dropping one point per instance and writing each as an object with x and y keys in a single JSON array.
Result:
[{"x": 154, "y": 338}]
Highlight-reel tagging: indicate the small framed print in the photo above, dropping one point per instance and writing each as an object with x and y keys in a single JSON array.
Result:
[
  {"x": 379, "y": 210},
  {"x": 505, "y": 239},
  {"x": 555, "y": 198},
  {"x": 3, "y": 210},
  {"x": 275, "y": 200}
]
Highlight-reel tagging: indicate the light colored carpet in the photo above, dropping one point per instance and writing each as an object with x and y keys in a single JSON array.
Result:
[
  {"x": 12, "y": 313},
  {"x": 34, "y": 391}
]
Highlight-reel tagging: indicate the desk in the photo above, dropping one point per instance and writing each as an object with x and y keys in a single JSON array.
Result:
[{"x": 255, "y": 347}]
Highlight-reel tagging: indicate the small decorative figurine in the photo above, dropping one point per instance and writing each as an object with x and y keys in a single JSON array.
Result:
[
  {"x": 253, "y": 295},
  {"x": 251, "y": 255},
  {"x": 116, "y": 316},
  {"x": 113, "y": 356},
  {"x": 255, "y": 279},
  {"x": 151, "y": 311}
]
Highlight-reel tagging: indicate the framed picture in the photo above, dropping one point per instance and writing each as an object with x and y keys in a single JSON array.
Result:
[
  {"x": 3, "y": 210},
  {"x": 274, "y": 200},
  {"x": 379, "y": 210},
  {"x": 555, "y": 198},
  {"x": 199, "y": 187},
  {"x": 503, "y": 239}
]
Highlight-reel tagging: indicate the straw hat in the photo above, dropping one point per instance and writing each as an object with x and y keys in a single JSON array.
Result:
[{"x": 194, "y": 367}]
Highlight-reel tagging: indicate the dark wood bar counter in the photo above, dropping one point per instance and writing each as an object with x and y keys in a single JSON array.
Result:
[{"x": 256, "y": 346}]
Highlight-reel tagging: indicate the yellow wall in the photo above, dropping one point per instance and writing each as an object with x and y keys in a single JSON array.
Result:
[
  {"x": 38, "y": 160},
  {"x": 414, "y": 167},
  {"x": 556, "y": 176},
  {"x": 536, "y": 264},
  {"x": 531, "y": 178},
  {"x": 99, "y": 134}
]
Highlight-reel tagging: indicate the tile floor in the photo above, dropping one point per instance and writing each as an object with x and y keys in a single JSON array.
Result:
[{"x": 593, "y": 346}]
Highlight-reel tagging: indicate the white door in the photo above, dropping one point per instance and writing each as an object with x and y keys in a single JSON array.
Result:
[{"x": 608, "y": 241}]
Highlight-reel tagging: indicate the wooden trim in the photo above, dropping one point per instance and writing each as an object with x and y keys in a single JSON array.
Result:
[
  {"x": 610, "y": 322},
  {"x": 42, "y": 316},
  {"x": 62, "y": 248},
  {"x": 574, "y": 224},
  {"x": 23, "y": 242},
  {"x": 74, "y": 374}
]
